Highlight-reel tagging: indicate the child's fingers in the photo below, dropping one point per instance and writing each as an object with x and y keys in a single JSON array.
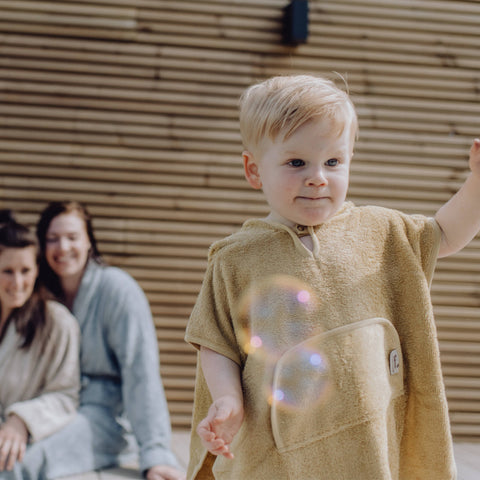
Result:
[
  {"x": 475, "y": 146},
  {"x": 228, "y": 455},
  {"x": 208, "y": 437},
  {"x": 211, "y": 442},
  {"x": 217, "y": 447},
  {"x": 224, "y": 451},
  {"x": 204, "y": 431},
  {"x": 474, "y": 161},
  {"x": 215, "y": 444}
]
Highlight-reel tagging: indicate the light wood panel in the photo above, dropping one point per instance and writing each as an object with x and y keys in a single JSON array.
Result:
[{"x": 131, "y": 107}]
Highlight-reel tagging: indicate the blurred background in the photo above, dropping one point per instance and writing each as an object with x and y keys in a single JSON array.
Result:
[{"x": 130, "y": 106}]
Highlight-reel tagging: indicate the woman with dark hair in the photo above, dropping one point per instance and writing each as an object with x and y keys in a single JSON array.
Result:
[
  {"x": 123, "y": 409},
  {"x": 50, "y": 278},
  {"x": 39, "y": 350}
]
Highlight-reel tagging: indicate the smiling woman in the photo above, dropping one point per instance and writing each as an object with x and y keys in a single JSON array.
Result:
[
  {"x": 123, "y": 412},
  {"x": 18, "y": 271},
  {"x": 39, "y": 342},
  {"x": 67, "y": 248}
]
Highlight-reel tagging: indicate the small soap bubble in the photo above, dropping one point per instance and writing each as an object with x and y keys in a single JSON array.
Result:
[{"x": 301, "y": 378}]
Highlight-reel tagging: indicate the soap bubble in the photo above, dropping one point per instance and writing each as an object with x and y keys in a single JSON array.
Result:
[
  {"x": 301, "y": 377},
  {"x": 281, "y": 331},
  {"x": 278, "y": 313}
]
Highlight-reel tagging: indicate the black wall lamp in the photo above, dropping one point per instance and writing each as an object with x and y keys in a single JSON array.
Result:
[{"x": 295, "y": 22}]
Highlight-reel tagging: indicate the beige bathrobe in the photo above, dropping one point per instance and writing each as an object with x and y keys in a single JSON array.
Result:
[
  {"x": 41, "y": 383},
  {"x": 381, "y": 413}
]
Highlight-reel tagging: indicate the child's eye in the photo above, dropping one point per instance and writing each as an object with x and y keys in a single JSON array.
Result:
[
  {"x": 332, "y": 162},
  {"x": 296, "y": 162}
]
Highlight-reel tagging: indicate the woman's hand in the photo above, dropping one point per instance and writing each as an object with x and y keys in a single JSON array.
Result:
[
  {"x": 164, "y": 472},
  {"x": 13, "y": 442}
]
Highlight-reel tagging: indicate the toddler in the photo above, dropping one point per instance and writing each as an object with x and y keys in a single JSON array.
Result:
[{"x": 375, "y": 408}]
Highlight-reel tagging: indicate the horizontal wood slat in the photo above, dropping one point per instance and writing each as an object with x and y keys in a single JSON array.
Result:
[{"x": 131, "y": 107}]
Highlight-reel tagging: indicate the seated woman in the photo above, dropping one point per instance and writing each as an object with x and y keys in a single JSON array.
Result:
[
  {"x": 122, "y": 403},
  {"x": 39, "y": 350}
]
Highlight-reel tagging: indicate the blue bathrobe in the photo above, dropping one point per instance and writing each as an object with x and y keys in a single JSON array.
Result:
[{"x": 122, "y": 403}]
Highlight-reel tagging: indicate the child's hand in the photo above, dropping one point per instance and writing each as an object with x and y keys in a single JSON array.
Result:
[
  {"x": 217, "y": 429},
  {"x": 475, "y": 157}
]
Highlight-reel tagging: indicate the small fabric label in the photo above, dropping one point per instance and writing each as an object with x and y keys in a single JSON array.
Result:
[{"x": 394, "y": 362}]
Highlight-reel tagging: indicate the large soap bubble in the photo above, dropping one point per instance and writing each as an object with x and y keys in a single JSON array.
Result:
[
  {"x": 282, "y": 331},
  {"x": 301, "y": 376}
]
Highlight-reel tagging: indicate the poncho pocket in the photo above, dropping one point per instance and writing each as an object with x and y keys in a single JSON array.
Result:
[{"x": 359, "y": 374}]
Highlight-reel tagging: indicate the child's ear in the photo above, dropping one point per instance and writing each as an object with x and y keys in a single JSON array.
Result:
[{"x": 251, "y": 170}]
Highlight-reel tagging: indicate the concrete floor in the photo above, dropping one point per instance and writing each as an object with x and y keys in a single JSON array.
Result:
[{"x": 467, "y": 456}]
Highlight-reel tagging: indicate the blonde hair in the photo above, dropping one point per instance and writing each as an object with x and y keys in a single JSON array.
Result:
[{"x": 282, "y": 104}]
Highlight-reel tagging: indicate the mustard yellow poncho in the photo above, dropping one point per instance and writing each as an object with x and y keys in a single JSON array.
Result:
[{"x": 376, "y": 408}]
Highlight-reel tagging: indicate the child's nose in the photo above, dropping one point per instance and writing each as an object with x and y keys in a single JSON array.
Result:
[{"x": 317, "y": 178}]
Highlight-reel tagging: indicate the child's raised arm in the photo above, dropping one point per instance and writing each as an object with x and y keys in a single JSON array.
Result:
[
  {"x": 459, "y": 218},
  {"x": 225, "y": 415}
]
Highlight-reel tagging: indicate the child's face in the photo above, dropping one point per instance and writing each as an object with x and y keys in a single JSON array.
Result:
[{"x": 304, "y": 178}]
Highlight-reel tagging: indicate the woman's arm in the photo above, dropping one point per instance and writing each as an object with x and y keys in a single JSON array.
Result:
[
  {"x": 133, "y": 341},
  {"x": 58, "y": 364}
]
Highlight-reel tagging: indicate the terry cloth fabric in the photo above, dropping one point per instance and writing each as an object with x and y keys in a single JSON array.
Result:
[
  {"x": 40, "y": 384},
  {"x": 383, "y": 412}
]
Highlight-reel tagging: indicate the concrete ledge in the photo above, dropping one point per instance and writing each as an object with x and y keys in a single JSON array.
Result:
[
  {"x": 180, "y": 446},
  {"x": 467, "y": 456}
]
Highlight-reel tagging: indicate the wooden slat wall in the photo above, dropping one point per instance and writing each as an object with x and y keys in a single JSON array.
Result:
[{"x": 131, "y": 107}]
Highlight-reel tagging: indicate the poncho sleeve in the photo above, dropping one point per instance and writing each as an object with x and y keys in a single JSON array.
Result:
[
  {"x": 210, "y": 323},
  {"x": 424, "y": 235}
]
